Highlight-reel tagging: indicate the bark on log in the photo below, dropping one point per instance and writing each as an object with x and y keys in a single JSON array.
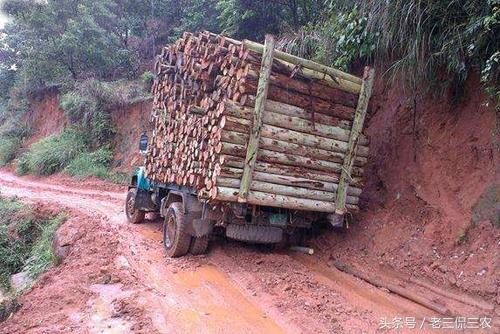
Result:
[
  {"x": 293, "y": 123},
  {"x": 290, "y": 148},
  {"x": 206, "y": 130},
  {"x": 288, "y": 159},
  {"x": 280, "y": 201},
  {"x": 280, "y": 189},
  {"x": 311, "y": 177},
  {"x": 345, "y": 81},
  {"x": 355, "y": 137},
  {"x": 294, "y": 181}
]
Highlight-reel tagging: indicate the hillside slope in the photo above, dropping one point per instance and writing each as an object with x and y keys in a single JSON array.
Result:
[
  {"x": 432, "y": 200},
  {"x": 129, "y": 122}
]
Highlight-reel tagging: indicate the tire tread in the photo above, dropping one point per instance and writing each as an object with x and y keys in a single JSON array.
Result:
[{"x": 254, "y": 233}]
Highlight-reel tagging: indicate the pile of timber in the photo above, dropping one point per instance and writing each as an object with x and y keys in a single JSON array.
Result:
[{"x": 240, "y": 121}]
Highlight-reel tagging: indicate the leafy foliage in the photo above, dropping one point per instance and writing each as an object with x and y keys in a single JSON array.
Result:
[
  {"x": 91, "y": 164},
  {"x": 87, "y": 107},
  {"x": 8, "y": 149},
  {"x": 147, "y": 78},
  {"x": 25, "y": 240},
  {"x": 351, "y": 40},
  {"x": 12, "y": 132},
  {"x": 339, "y": 39},
  {"x": 78, "y": 44},
  {"x": 74, "y": 40},
  {"x": 52, "y": 153},
  {"x": 253, "y": 19},
  {"x": 41, "y": 256}
]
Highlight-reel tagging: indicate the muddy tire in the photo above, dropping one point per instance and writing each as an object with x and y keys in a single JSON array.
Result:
[
  {"x": 175, "y": 240},
  {"x": 134, "y": 216},
  {"x": 254, "y": 233},
  {"x": 199, "y": 245}
]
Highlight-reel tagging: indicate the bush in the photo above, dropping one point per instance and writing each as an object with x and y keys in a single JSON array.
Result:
[
  {"x": 86, "y": 108},
  {"x": 51, "y": 154},
  {"x": 8, "y": 149},
  {"x": 76, "y": 106},
  {"x": 22, "y": 165},
  {"x": 11, "y": 127},
  {"x": 421, "y": 38},
  {"x": 25, "y": 240},
  {"x": 42, "y": 254},
  {"x": 147, "y": 79},
  {"x": 91, "y": 164}
]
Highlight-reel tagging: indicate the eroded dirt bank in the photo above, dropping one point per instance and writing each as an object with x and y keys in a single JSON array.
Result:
[
  {"x": 432, "y": 198},
  {"x": 116, "y": 279}
]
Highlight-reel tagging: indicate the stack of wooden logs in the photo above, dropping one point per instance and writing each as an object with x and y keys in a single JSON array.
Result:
[{"x": 207, "y": 112}]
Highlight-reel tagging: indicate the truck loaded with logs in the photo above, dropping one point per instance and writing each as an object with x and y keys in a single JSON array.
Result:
[{"x": 253, "y": 140}]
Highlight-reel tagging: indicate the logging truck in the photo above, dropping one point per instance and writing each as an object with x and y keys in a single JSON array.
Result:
[{"x": 250, "y": 140}]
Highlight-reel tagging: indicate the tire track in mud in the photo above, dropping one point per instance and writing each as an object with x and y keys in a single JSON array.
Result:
[{"x": 235, "y": 288}]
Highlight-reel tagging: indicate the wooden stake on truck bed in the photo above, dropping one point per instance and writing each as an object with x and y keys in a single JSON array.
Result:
[
  {"x": 260, "y": 100},
  {"x": 357, "y": 127}
]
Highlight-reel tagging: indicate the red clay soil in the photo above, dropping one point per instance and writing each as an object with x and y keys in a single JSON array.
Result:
[
  {"x": 432, "y": 199},
  {"x": 44, "y": 116},
  {"x": 130, "y": 122}
]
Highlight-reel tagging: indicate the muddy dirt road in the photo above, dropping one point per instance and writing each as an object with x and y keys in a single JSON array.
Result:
[{"x": 116, "y": 279}]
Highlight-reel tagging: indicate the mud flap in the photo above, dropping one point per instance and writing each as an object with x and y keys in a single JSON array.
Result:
[
  {"x": 143, "y": 200},
  {"x": 199, "y": 227}
]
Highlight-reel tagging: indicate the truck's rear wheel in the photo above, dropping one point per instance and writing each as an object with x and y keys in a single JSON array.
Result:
[
  {"x": 255, "y": 233},
  {"x": 199, "y": 245},
  {"x": 134, "y": 215},
  {"x": 175, "y": 240}
]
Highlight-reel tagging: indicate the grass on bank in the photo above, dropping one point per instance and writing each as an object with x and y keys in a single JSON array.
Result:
[
  {"x": 51, "y": 154},
  {"x": 25, "y": 240},
  {"x": 95, "y": 164},
  {"x": 8, "y": 149},
  {"x": 70, "y": 153},
  {"x": 12, "y": 133}
]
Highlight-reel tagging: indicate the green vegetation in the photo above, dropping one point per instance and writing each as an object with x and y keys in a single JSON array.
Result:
[
  {"x": 82, "y": 149},
  {"x": 41, "y": 256},
  {"x": 52, "y": 153},
  {"x": 8, "y": 149},
  {"x": 12, "y": 131},
  {"x": 95, "y": 164},
  {"x": 148, "y": 78},
  {"x": 70, "y": 152},
  {"x": 437, "y": 40},
  {"x": 25, "y": 240}
]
